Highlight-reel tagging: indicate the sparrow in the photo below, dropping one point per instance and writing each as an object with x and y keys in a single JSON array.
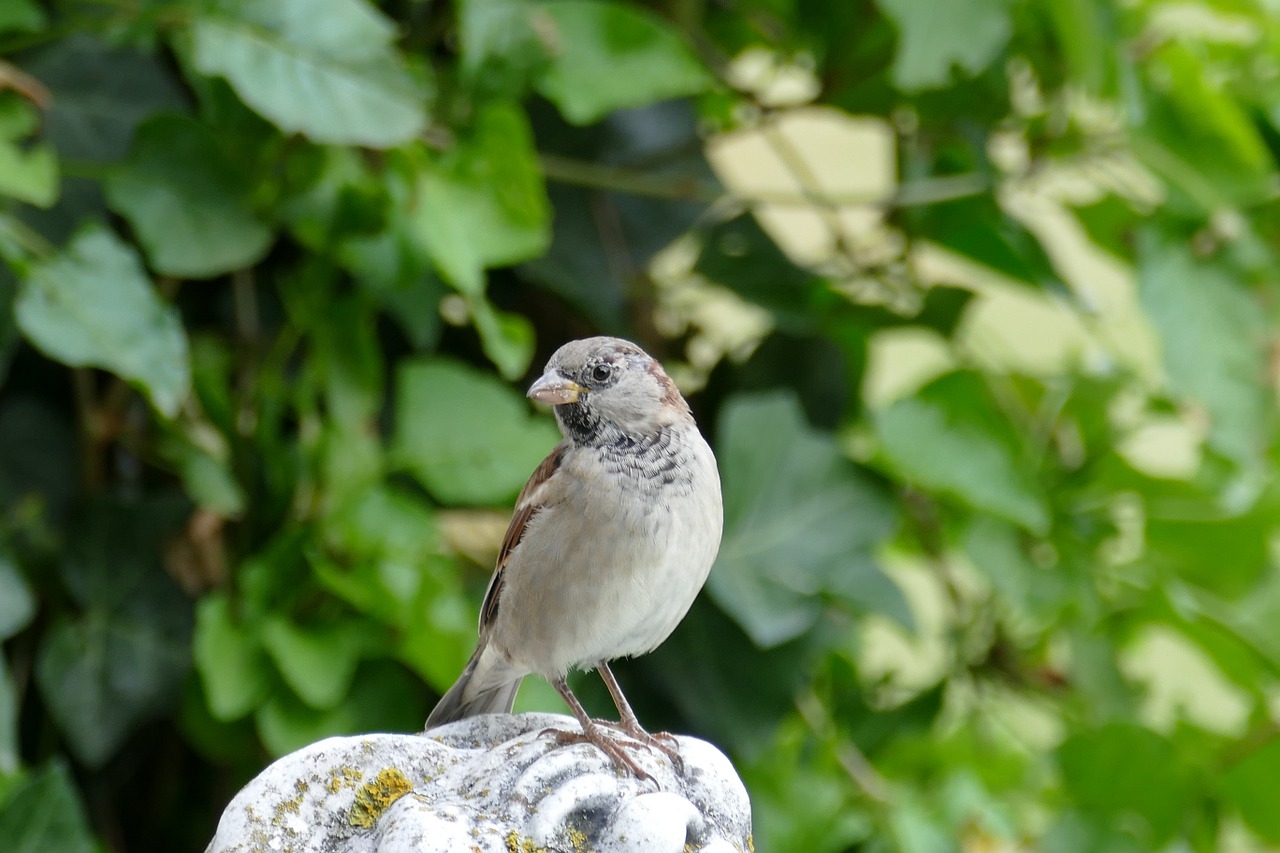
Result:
[{"x": 611, "y": 540}]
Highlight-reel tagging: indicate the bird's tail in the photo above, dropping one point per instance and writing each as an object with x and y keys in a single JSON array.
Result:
[{"x": 488, "y": 685}]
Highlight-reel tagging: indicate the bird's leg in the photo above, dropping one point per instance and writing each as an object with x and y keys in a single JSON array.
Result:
[
  {"x": 629, "y": 724},
  {"x": 592, "y": 733}
]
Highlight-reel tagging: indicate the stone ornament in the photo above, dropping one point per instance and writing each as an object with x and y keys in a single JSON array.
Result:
[{"x": 489, "y": 784}]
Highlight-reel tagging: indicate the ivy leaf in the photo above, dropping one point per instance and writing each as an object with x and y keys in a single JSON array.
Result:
[
  {"x": 800, "y": 523},
  {"x": 123, "y": 660},
  {"x": 317, "y": 663},
  {"x": 1212, "y": 335},
  {"x": 1250, "y": 784},
  {"x": 21, "y": 16},
  {"x": 484, "y": 205},
  {"x": 504, "y": 43},
  {"x": 949, "y": 438},
  {"x": 17, "y": 604},
  {"x": 100, "y": 95},
  {"x": 187, "y": 201},
  {"x": 232, "y": 665},
  {"x": 92, "y": 305},
  {"x": 323, "y": 68},
  {"x": 466, "y": 436},
  {"x": 1124, "y": 767},
  {"x": 45, "y": 813},
  {"x": 383, "y": 698},
  {"x": 507, "y": 339},
  {"x": 108, "y": 672},
  {"x": 609, "y": 56},
  {"x": 9, "y": 755},
  {"x": 27, "y": 173},
  {"x": 934, "y": 37}
]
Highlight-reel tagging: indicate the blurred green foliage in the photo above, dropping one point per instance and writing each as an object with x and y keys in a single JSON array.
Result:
[{"x": 977, "y": 301}]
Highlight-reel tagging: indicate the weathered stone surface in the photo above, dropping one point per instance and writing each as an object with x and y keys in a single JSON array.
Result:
[{"x": 492, "y": 783}]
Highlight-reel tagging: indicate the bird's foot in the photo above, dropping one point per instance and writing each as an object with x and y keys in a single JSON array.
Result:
[
  {"x": 663, "y": 742},
  {"x": 603, "y": 741}
]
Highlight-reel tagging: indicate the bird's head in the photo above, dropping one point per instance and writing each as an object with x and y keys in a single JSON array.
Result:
[{"x": 607, "y": 389}]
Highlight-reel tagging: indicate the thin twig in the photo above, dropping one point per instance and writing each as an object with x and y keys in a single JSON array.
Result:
[
  {"x": 583, "y": 173},
  {"x": 851, "y": 759}
]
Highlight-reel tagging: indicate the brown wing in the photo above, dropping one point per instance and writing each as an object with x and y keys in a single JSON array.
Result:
[{"x": 527, "y": 505}]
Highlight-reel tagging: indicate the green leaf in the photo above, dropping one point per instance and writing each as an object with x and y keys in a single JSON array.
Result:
[
  {"x": 123, "y": 660},
  {"x": 609, "y": 56},
  {"x": 349, "y": 360},
  {"x": 323, "y": 68},
  {"x": 935, "y": 37},
  {"x": 317, "y": 662},
  {"x": 44, "y": 814},
  {"x": 232, "y": 664},
  {"x": 107, "y": 673},
  {"x": 187, "y": 200},
  {"x": 383, "y": 521},
  {"x": 100, "y": 94},
  {"x": 1125, "y": 768},
  {"x": 10, "y": 758},
  {"x": 1227, "y": 555},
  {"x": 504, "y": 43},
  {"x": 1202, "y": 139},
  {"x": 800, "y": 524},
  {"x": 92, "y": 305},
  {"x": 507, "y": 339},
  {"x": 27, "y": 172},
  {"x": 210, "y": 482},
  {"x": 17, "y": 604},
  {"x": 383, "y": 698},
  {"x": 1212, "y": 334},
  {"x": 29, "y": 175},
  {"x": 21, "y": 16},
  {"x": 1032, "y": 591},
  {"x": 466, "y": 436},
  {"x": 1250, "y": 785},
  {"x": 46, "y": 471},
  {"x": 950, "y": 438},
  {"x": 484, "y": 204},
  {"x": 703, "y": 666}
]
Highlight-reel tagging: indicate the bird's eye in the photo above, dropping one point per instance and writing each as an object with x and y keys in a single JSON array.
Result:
[{"x": 601, "y": 372}]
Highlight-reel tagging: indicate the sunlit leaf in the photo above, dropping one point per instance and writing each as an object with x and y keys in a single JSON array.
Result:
[
  {"x": 609, "y": 56},
  {"x": 232, "y": 664},
  {"x": 934, "y": 38},
  {"x": 950, "y": 438},
  {"x": 323, "y": 69},
  {"x": 92, "y": 305},
  {"x": 1212, "y": 336},
  {"x": 469, "y": 438},
  {"x": 317, "y": 662}
]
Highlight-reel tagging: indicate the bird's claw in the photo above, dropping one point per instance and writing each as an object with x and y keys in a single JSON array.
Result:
[
  {"x": 597, "y": 737},
  {"x": 662, "y": 741}
]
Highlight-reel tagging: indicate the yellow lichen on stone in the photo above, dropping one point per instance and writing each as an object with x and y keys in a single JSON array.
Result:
[
  {"x": 376, "y": 796},
  {"x": 292, "y": 806},
  {"x": 345, "y": 776},
  {"x": 516, "y": 844},
  {"x": 578, "y": 839}
]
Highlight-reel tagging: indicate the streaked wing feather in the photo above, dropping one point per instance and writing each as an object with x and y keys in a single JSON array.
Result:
[{"x": 527, "y": 505}]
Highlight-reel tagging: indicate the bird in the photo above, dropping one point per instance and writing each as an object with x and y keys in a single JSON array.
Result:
[{"x": 611, "y": 540}]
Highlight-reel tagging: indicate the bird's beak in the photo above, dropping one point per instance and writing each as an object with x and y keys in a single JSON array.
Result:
[{"x": 554, "y": 389}]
